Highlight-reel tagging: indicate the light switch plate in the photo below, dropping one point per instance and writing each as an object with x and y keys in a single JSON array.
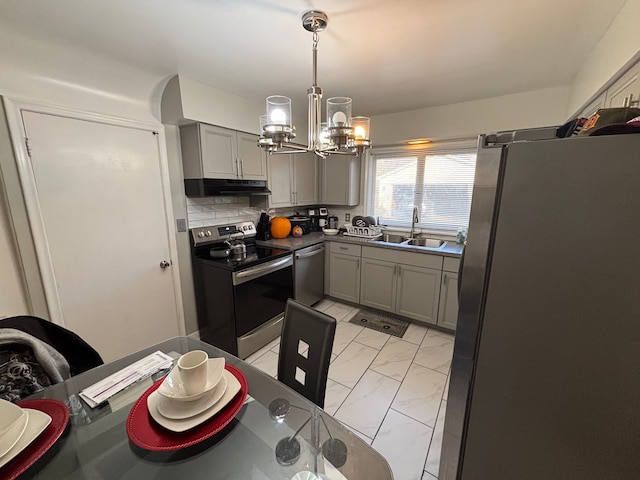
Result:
[{"x": 181, "y": 223}]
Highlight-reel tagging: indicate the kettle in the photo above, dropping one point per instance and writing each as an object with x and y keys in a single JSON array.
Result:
[{"x": 237, "y": 248}]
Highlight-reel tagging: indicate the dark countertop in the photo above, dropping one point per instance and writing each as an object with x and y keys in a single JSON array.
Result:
[
  {"x": 450, "y": 249},
  {"x": 292, "y": 243}
]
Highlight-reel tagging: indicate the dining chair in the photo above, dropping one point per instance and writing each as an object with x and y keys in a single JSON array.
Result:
[
  {"x": 77, "y": 352},
  {"x": 305, "y": 350}
]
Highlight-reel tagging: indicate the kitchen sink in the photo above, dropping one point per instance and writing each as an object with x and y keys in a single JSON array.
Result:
[
  {"x": 391, "y": 238},
  {"x": 425, "y": 242}
]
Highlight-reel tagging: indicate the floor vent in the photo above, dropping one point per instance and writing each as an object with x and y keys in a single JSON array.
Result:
[{"x": 381, "y": 323}]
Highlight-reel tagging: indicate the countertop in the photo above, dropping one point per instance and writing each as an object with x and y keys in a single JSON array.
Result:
[
  {"x": 450, "y": 249},
  {"x": 292, "y": 243}
]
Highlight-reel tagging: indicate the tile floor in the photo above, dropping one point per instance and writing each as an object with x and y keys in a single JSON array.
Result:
[{"x": 402, "y": 382}]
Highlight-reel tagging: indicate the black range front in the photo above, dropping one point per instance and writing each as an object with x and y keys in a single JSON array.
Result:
[{"x": 240, "y": 298}]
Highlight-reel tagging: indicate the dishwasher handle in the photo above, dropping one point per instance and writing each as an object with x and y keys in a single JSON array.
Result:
[{"x": 307, "y": 252}]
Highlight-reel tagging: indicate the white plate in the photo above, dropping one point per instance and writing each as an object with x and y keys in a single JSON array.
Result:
[
  {"x": 37, "y": 421},
  {"x": 180, "y": 410},
  {"x": 330, "y": 231},
  {"x": 172, "y": 386},
  {"x": 10, "y": 436},
  {"x": 233, "y": 387},
  {"x": 9, "y": 414}
]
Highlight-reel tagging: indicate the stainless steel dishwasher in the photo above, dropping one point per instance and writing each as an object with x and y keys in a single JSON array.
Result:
[{"x": 308, "y": 274}]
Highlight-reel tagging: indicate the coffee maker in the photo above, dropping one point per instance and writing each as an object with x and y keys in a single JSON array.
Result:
[{"x": 318, "y": 218}]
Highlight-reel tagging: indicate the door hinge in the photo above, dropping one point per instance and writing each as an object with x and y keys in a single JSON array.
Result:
[{"x": 28, "y": 145}]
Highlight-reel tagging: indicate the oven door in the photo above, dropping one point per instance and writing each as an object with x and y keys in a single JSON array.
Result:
[{"x": 261, "y": 293}]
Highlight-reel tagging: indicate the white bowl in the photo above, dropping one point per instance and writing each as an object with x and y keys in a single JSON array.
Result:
[
  {"x": 172, "y": 387},
  {"x": 330, "y": 231}
]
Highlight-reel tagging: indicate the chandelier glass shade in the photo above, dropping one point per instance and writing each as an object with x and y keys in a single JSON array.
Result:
[{"x": 341, "y": 133}]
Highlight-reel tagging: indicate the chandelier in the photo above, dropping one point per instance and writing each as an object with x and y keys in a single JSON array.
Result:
[{"x": 340, "y": 134}]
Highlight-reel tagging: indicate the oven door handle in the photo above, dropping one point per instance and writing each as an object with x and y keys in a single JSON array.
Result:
[{"x": 255, "y": 272}]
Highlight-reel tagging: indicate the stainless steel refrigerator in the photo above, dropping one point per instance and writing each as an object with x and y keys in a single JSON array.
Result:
[{"x": 545, "y": 379}]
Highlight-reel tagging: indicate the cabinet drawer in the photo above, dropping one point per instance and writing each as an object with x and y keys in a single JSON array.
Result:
[
  {"x": 345, "y": 248},
  {"x": 451, "y": 264},
  {"x": 406, "y": 258}
]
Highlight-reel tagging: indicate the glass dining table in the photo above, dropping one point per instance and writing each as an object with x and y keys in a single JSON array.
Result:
[{"x": 276, "y": 434}]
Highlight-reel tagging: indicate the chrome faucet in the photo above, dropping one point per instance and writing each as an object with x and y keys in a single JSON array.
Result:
[{"x": 414, "y": 220}]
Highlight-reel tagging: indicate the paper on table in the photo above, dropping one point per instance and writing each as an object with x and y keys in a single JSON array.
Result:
[{"x": 106, "y": 388}]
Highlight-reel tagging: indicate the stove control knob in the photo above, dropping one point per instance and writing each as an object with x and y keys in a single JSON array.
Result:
[
  {"x": 208, "y": 233},
  {"x": 201, "y": 234}
]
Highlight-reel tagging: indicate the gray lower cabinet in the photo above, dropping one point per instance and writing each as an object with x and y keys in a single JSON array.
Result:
[
  {"x": 418, "y": 292},
  {"x": 378, "y": 282},
  {"x": 405, "y": 283},
  {"x": 448, "y": 306},
  {"x": 344, "y": 271}
]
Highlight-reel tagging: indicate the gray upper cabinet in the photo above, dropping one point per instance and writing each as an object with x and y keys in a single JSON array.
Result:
[
  {"x": 340, "y": 180},
  {"x": 625, "y": 92},
  {"x": 215, "y": 152},
  {"x": 293, "y": 179}
]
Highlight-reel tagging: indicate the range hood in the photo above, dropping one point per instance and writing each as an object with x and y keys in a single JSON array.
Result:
[{"x": 208, "y": 187}]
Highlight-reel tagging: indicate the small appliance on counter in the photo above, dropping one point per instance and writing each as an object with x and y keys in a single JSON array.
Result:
[
  {"x": 318, "y": 218},
  {"x": 333, "y": 222},
  {"x": 263, "y": 228},
  {"x": 302, "y": 222}
]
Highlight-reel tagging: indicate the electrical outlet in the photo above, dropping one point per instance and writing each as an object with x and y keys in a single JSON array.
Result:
[{"x": 347, "y": 217}]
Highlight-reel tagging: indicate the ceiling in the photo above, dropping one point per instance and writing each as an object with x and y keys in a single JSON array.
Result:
[{"x": 388, "y": 55}]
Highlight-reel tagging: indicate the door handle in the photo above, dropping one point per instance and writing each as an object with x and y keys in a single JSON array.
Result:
[{"x": 164, "y": 264}]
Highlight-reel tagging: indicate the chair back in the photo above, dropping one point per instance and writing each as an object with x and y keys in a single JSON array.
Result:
[
  {"x": 79, "y": 354},
  {"x": 305, "y": 350}
]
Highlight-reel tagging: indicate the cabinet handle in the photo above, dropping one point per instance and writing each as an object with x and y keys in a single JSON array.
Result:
[
  {"x": 357, "y": 264},
  {"x": 445, "y": 281},
  {"x": 629, "y": 101},
  {"x": 237, "y": 168},
  {"x": 241, "y": 167},
  {"x": 395, "y": 269},
  {"x": 399, "y": 271},
  {"x": 343, "y": 248}
]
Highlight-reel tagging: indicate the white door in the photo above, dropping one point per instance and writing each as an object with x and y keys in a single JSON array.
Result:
[{"x": 99, "y": 190}]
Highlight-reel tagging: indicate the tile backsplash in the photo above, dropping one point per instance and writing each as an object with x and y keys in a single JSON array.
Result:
[{"x": 206, "y": 211}]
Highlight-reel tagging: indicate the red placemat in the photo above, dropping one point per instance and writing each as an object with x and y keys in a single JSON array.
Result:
[
  {"x": 59, "y": 414},
  {"x": 146, "y": 433}
]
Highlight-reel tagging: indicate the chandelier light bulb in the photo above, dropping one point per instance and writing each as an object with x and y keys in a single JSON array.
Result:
[
  {"x": 278, "y": 116},
  {"x": 339, "y": 118}
]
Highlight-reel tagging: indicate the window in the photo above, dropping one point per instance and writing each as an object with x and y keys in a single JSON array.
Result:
[{"x": 437, "y": 178}]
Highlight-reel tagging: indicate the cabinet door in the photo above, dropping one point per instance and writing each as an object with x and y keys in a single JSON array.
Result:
[
  {"x": 448, "y": 305},
  {"x": 253, "y": 164},
  {"x": 418, "y": 292},
  {"x": 280, "y": 174},
  {"x": 626, "y": 91},
  {"x": 378, "y": 284},
  {"x": 305, "y": 178},
  {"x": 340, "y": 180},
  {"x": 344, "y": 280},
  {"x": 219, "y": 152}
]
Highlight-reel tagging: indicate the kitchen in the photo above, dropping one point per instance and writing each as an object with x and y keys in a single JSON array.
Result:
[{"x": 87, "y": 77}]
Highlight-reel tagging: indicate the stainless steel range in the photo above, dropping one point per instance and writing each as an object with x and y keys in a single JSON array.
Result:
[{"x": 240, "y": 292}]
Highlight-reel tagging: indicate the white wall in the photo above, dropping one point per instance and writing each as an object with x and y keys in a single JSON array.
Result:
[
  {"x": 530, "y": 109},
  {"x": 620, "y": 43}
]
